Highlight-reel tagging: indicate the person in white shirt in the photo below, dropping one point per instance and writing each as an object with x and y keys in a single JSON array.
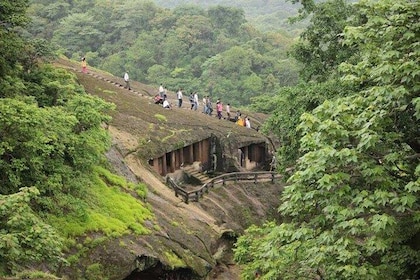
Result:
[
  {"x": 195, "y": 101},
  {"x": 127, "y": 81},
  {"x": 161, "y": 90},
  {"x": 204, "y": 105},
  {"x": 179, "y": 96},
  {"x": 247, "y": 122},
  {"x": 228, "y": 111},
  {"x": 166, "y": 104}
]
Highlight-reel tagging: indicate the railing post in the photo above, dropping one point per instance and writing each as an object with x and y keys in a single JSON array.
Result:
[{"x": 255, "y": 178}]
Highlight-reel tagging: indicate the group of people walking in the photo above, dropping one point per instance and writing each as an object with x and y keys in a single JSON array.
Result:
[{"x": 162, "y": 98}]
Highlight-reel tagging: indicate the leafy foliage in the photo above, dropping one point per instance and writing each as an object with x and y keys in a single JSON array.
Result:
[
  {"x": 285, "y": 109},
  {"x": 49, "y": 146},
  {"x": 352, "y": 208},
  {"x": 321, "y": 47},
  {"x": 24, "y": 238},
  {"x": 12, "y": 15}
]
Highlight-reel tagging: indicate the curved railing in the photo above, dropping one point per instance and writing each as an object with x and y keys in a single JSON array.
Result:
[{"x": 262, "y": 176}]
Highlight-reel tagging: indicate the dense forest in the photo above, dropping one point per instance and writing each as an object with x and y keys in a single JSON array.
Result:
[
  {"x": 188, "y": 47},
  {"x": 265, "y": 15},
  {"x": 345, "y": 105}
]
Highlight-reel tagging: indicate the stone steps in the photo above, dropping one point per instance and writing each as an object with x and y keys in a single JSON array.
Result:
[{"x": 190, "y": 170}]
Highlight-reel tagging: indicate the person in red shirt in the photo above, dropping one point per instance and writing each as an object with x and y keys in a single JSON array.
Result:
[{"x": 219, "y": 109}]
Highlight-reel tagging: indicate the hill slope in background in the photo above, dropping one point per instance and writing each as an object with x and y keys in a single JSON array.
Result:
[
  {"x": 267, "y": 15},
  {"x": 213, "y": 50}
]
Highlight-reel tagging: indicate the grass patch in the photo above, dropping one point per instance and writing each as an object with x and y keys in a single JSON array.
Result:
[
  {"x": 110, "y": 210},
  {"x": 173, "y": 133},
  {"x": 92, "y": 243},
  {"x": 116, "y": 180},
  {"x": 169, "y": 136},
  {"x": 161, "y": 118},
  {"x": 109, "y": 92},
  {"x": 174, "y": 223},
  {"x": 94, "y": 272},
  {"x": 36, "y": 275},
  {"x": 173, "y": 260}
]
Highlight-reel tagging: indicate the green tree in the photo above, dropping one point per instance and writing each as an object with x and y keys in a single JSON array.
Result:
[
  {"x": 115, "y": 64},
  {"x": 321, "y": 47},
  {"x": 140, "y": 57},
  {"x": 352, "y": 209},
  {"x": 79, "y": 33},
  {"x": 24, "y": 238},
  {"x": 196, "y": 33},
  {"x": 12, "y": 15},
  {"x": 50, "y": 134},
  {"x": 50, "y": 140},
  {"x": 285, "y": 108},
  {"x": 157, "y": 74},
  {"x": 251, "y": 86},
  {"x": 228, "y": 19},
  {"x": 46, "y": 147}
]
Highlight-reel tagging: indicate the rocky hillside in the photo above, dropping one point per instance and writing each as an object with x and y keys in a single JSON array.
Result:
[{"x": 187, "y": 241}]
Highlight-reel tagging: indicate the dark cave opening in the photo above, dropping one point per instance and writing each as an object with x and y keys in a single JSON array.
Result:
[{"x": 160, "y": 272}]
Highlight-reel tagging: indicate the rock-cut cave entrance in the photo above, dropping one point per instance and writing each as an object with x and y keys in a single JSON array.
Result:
[
  {"x": 252, "y": 155},
  {"x": 158, "y": 272}
]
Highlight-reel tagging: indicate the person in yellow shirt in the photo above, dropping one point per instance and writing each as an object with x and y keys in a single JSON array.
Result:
[{"x": 240, "y": 121}]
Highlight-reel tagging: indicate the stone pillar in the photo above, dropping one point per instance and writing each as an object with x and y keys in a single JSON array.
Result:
[
  {"x": 181, "y": 156},
  {"x": 191, "y": 153},
  {"x": 164, "y": 166},
  {"x": 173, "y": 161},
  {"x": 200, "y": 151},
  {"x": 155, "y": 165},
  {"x": 246, "y": 156}
]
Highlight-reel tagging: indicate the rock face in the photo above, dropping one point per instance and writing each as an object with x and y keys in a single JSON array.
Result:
[
  {"x": 193, "y": 241},
  {"x": 187, "y": 241}
]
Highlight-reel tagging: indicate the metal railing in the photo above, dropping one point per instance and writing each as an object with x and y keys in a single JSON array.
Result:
[{"x": 261, "y": 176}]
